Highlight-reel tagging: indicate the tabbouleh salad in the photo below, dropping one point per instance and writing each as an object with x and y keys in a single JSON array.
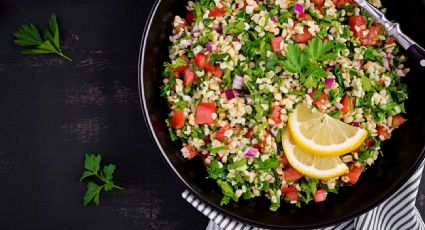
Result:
[{"x": 238, "y": 68}]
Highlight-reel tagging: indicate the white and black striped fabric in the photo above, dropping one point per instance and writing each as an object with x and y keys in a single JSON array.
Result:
[{"x": 396, "y": 213}]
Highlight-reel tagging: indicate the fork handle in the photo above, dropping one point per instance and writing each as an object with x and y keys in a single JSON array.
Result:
[{"x": 418, "y": 53}]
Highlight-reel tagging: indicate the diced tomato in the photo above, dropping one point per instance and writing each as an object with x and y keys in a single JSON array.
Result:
[
  {"x": 319, "y": 5},
  {"x": 189, "y": 77},
  {"x": 397, "y": 121},
  {"x": 200, "y": 60},
  {"x": 177, "y": 120},
  {"x": 250, "y": 133},
  {"x": 288, "y": 190},
  {"x": 291, "y": 174},
  {"x": 180, "y": 26},
  {"x": 347, "y": 104},
  {"x": 360, "y": 22},
  {"x": 189, "y": 17},
  {"x": 192, "y": 153},
  {"x": 369, "y": 142},
  {"x": 340, "y": 3},
  {"x": 304, "y": 37},
  {"x": 318, "y": 2},
  {"x": 276, "y": 43},
  {"x": 177, "y": 71},
  {"x": 285, "y": 161},
  {"x": 383, "y": 132},
  {"x": 218, "y": 12},
  {"x": 208, "y": 67},
  {"x": 291, "y": 196},
  {"x": 372, "y": 33},
  {"x": 391, "y": 40},
  {"x": 381, "y": 82},
  {"x": 203, "y": 113},
  {"x": 276, "y": 114},
  {"x": 217, "y": 72},
  {"x": 371, "y": 39},
  {"x": 322, "y": 99},
  {"x": 354, "y": 174},
  {"x": 320, "y": 195},
  {"x": 305, "y": 16},
  {"x": 219, "y": 135}
]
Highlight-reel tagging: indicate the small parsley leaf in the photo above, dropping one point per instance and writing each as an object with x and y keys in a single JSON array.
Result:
[
  {"x": 105, "y": 176},
  {"x": 92, "y": 193},
  {"x": 319, "y": 50},
  {"x": 28, "y": 35},
  {"x": 296, "y": 59}
]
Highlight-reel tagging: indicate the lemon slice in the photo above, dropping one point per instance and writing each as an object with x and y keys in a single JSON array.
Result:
[
  {"x": 311, "y": 165},
  {"x": 322, "y": 135}
]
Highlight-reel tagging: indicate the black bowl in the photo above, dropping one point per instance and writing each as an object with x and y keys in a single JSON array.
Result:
[{"x": 402, "y": 154}]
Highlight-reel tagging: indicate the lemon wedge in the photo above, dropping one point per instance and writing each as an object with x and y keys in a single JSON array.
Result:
[
  {"x": 311, "y": 165},
  {"x": 322, "y": 135}
]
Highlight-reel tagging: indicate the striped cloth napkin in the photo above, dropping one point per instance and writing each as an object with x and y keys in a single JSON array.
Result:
[{"x": 396, "y": 213}]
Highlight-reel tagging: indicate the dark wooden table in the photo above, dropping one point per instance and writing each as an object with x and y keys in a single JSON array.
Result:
[{"x": 54, "y": 111}]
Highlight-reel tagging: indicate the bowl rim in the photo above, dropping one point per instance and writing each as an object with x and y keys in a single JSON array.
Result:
[{"x": 389, "y": 192}]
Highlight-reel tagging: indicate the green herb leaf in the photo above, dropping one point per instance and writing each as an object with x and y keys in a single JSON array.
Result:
[
  {"x": 92, "y": 162},
  {"x": 218, "y": 57},
  {"x": 314, "y": 73},
  {"x": 319, "y": 50},
  {"x": 215, "y": 171},
  {"x": 268, "y": 164},
  {"x": 235, "y": 27},
  {"x": 238, "y": 163},
  {"x": 227, "y": 191},
  {"x": 28, "y": 35},
  {"x": 366, "y": 83},
  {"x": 87, "y": 174},
  {"x": 92, "y": 193},
  {"x": 296, "y": 59},
  {"x": 108, "y": 170},
  {"x": 92, "y": 166}
]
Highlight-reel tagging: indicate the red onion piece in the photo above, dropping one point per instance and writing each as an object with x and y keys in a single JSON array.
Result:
[
  {"x": 401, "y": 73},
  {"x": 273, "y": 132},
  {"x": 299, "y": 8},
  {"x": 356, "y": 123},
  {"x": 390, "y": 59},
  {"x": 237, "y": 82},
  {"x": 230, "y": 94},
  {"x": 356, "y": 64},
  {"x": 248, "y": 100},
  {"x": 208, "y": 46},
  {"x": 329, "y": 82},
  {"x": 274, "y": 19},
  {"x": 251, "y": 152},
  {"x": 309, "y": 90},
  {"x": 387, "y": 64}
]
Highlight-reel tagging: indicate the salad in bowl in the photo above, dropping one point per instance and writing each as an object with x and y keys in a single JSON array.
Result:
[{"x": 285, "y": 99}]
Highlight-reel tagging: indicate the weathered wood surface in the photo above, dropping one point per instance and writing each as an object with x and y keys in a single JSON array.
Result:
[{"x": 54, "y": 111}]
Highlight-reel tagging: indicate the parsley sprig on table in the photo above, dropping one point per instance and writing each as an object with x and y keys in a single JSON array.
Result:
[
  {"x": 93, "y": 171},
  {"x": 305, "y": 62},
  {"x": 28, "y": 35}
]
